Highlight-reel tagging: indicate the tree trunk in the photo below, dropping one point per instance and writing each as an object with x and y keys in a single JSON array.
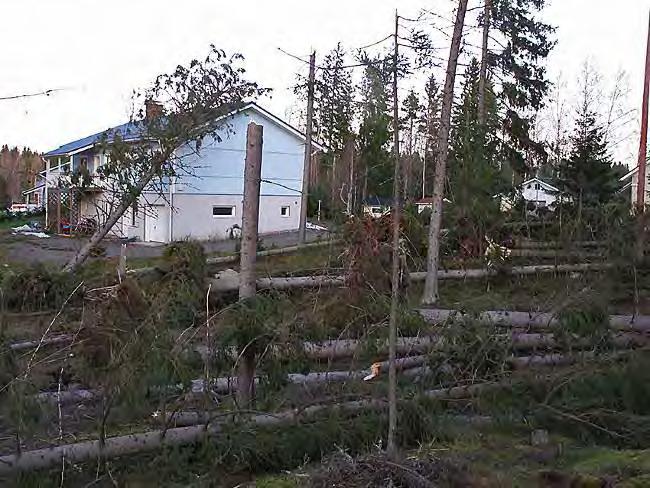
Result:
[
  {"x": 484, "y": 63},
  {"x": 247, "y": 278},
  {"x": 431, "y": 285},
  {"x": 304, "y": 199},
  {"x": 115, "y": 215},
  {"x": 395, "y": 270}
]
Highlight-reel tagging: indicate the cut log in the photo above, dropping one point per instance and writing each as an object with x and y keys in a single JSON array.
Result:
[
  {"x": 534, "y": 244},
  {"x": 274, "y": 252},
  {"x": 48, "y": 341},
  {"x": 554, "y": 253},
  {"x": 533, "y": 320},
  {"x": 461, "y": 274},
  {"x": 317, "y": 281},
  {"x": 156, "y": 439},
  {"x": 234, "y": 258}
]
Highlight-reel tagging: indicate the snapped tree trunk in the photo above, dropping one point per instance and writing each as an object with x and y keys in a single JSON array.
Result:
[
  {"x": 247, "y": 281},
  {"x": 431, "y": 284}
]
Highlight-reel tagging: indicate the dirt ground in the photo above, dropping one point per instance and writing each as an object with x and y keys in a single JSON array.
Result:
[{"x": 58, "y": 250}]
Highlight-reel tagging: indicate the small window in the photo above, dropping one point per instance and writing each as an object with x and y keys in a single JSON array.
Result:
[
  {"x": 285, "y": 211},
  {"x": 225, "y": 211},
  {"x": 83, "y": 163},
  {"x": 537, "y": 186},
  {"x": 375, "y": 210}
]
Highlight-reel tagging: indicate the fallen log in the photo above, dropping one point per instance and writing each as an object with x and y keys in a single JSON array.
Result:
[
  {"x": 48, "y": 341},
  {"x": 530, "y": 320},
  {"x": 554, "y": 253},
  {"x": 234, "y": 258},
  {"x": 535, "y": 244},
  {"x": 460, "y": 274},
  {"x": 317, "y": 281},
  {"x": 149, "y": 441}
]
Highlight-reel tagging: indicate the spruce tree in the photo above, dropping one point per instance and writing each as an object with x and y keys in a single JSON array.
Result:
[
  {"x": 374, "y": 131},
  {"x": 586, "y": 176},
  {"x": 517, "y": 58},
  {"x": 474, "y": 176}
]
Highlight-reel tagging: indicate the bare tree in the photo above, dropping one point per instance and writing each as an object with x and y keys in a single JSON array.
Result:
[
  {"x": 431, "y": 284},
  {"x": 195, "y": 103},
  {"x": 484, "y": 62}
]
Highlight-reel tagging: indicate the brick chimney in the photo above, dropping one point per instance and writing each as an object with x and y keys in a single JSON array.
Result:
[{"x": 152, "y": 109}]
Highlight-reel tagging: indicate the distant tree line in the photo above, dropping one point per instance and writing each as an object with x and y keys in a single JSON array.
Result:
[{"x": 18, "y": 171}]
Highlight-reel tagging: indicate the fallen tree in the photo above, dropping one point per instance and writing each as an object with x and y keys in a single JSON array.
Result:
[
  {"x": 234, "y": 258},
  {"x": 317, "y": 281},
  {"x": 530, "y": 320},
  {"x": 203, "y": 428}
]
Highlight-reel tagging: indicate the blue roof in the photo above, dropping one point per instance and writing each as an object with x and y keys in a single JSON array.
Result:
[{"x": 130, "y": 130}]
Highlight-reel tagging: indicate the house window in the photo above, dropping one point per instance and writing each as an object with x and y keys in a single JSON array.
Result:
[
  {"x": 223, "y": 211},
  {"x": 285, "y": 211},
  {"x": 375, "y": 210},
  {"x": 83, "y": 163},
  {"x": 537, "y": 186}
]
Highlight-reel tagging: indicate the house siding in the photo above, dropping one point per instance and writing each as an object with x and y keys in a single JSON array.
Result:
[{"x": 192, "y": 215}]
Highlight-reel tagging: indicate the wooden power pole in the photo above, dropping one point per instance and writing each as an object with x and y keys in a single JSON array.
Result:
[
  {"x": 304, "y": 200},
  {"x": 248, "y": 254},
  {"x": 643, "y": 155},
  {"x": 395, "y": 271}
]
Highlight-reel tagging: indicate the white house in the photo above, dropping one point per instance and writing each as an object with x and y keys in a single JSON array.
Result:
[
  {"x": 204, "y": 205},
  {"x": 534, "y": 191},
  {"x": 630, "y": 182}
]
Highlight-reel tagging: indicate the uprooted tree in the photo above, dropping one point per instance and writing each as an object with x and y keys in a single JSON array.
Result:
[{"x": 194, "y": 104}]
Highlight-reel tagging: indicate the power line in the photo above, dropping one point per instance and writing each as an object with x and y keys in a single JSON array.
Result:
[{"x": 27, "y": 95}]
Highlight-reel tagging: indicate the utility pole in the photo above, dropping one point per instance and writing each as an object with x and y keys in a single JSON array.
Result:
[
  {"x": 395, "y": 272},
  {"x": 248, "y": 253},
  {"x": 643, "y": 155},
  {"x": 304, "y": 200}
]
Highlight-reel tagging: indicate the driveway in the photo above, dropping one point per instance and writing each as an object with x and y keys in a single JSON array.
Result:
[{"x": 58, "y": 250}]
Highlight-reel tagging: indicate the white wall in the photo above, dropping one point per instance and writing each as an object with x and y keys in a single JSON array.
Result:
[
  {"x": 192, "y": 216},
  {"x": 532, "y": 194}
]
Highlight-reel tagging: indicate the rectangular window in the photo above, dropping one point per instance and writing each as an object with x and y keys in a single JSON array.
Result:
[
  {"x": 83, "y": 163},
  {"x": 223, "y": 211},
  {"x": 285, "y": 211},
  {"x": 134, "y": 213}
]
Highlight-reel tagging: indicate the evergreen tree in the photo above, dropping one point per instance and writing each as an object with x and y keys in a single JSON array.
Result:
[
  {"x": 474, "y": 175},
  {"x": 587, "y": 177},
  {"x": 412, "y": 110},
  {"x": 374, "y": 131},
  {"x": 428, "y": 128},
  {"x": 525, "y": 44}
]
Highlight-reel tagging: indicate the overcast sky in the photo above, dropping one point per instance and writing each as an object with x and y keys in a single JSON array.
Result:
[{"x": 100, "y": 51}]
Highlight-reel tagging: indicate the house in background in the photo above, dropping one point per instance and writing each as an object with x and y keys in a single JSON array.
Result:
[
  {"x": 535, "y": 192},
  {"x": 376, "y": 207},
  {"x": 204, "y": 205},
  {"x": 630, "y": 183}
]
